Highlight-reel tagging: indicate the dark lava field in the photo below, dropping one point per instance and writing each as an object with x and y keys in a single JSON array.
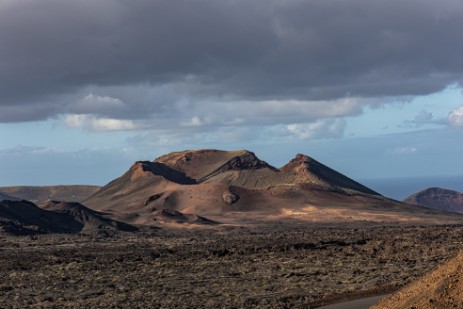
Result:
[{"x": 274, "y": 265}]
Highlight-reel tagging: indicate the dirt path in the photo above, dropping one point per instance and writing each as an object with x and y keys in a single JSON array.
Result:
[{"x": 362, "y": 303}]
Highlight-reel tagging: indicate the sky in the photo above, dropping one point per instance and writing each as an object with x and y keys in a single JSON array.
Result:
[{"x": 371, "y": 88}]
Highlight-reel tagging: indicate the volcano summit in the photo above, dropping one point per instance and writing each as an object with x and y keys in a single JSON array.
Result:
[{"x": 236, "y": 187}]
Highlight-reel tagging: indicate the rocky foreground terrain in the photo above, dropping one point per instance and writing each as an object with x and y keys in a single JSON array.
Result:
[{"x": 275, "y": 265}]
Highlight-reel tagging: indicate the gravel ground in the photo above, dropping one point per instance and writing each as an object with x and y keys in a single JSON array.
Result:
[{"x": 276, "y": 266}]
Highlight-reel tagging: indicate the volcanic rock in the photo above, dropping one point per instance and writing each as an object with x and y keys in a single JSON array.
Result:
[
  {"x": 173, "y": 216},
  {"x": 230, "y": 197}
]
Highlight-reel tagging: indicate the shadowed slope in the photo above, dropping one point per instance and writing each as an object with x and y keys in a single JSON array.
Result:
[
  {"x": 4, "y": 197},
  {"x": 23, "y": 217},
  {"x": 91, "y": 220}
]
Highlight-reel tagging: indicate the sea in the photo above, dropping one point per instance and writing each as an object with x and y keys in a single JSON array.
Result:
[{"x": 400, "y": 188}]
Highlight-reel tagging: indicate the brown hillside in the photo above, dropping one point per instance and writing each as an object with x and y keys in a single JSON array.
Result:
[
  {"x": 441, "y": 288},
  {"x": 40, "y": 194},
  {"x": 243, "y": 169},
  {"x": 306, "y": 170},
  {"x": 438, "y": 198},
  {"x": 236, "y": 187},
  {"x": 4, "y": 197},
  {"x": 201, "y": 165}
]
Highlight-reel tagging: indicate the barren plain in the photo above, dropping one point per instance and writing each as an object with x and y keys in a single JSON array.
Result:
[{"x": 276, "y": 265}]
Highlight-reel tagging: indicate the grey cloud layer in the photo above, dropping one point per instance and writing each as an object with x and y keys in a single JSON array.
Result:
[{"x": 188, "y": 51}]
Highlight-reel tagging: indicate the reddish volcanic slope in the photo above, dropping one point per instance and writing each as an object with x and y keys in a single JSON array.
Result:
[
  {"x": 437, "y": 198},
  {"x": 236, "y": 186},
  {"x": 440, "y": 288}
]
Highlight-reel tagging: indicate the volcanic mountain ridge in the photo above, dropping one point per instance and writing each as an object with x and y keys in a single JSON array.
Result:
[{"x": 236, "y": 186}]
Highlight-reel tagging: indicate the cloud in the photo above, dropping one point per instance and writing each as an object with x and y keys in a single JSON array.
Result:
[
  {"x": 301, "y": 109},
  {"x": 92, "y": 123},
  {"x": 424, "y": 117},
  {"x": 268, "y": 112},
  {"x": 169, "y": 140},
  {"x": 321, "y": 128},
  {"x": 35, "y": 111},
  {"x": 31, "y": 165},
  {"x": 455, "y": 117},
  {"x": 92, "y": 104},
  {"x": 140, "y": 62},
  {"x": 21, "y": 150},
  {"x": 404, "y": 150},
  {"x": 194, "y": 122}
]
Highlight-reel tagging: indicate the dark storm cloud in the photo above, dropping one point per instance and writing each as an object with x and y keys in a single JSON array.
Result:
[{"x": 249, "y": 50}]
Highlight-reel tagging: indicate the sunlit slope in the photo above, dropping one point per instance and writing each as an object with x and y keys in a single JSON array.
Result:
[{"x": 223, "y": 183}]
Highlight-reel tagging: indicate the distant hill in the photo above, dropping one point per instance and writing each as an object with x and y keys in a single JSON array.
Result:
[
  {"x": 40, "y": 194},
  {"x": 236, "y": 187},
  {"x": 4, "y": 197},
  {"x": 24, "y": 217},
  {"x": 438, "y": 198}
]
